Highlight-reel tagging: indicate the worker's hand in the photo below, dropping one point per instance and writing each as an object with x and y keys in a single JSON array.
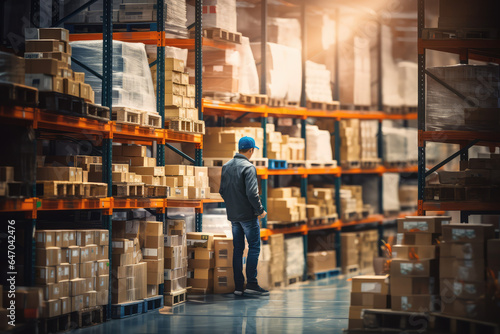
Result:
[{"x": 262, "y": 215}]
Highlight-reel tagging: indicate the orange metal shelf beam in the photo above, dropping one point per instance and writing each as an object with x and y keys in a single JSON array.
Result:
[
  {"x": 458, "y": 136},
  {"x": 17, "y": 204},
  {"x": 46, "y": 120},
  {"x": 133, "y": 132},
  {"x": 44, "y": 204},
  {"x": 146, "y": 37},
  {"x": 380, "y": 170},
  {"x": 297, "y": 229},
  {"x": 461, "y": 206},
  {"x": 173, "y": 136},
  {"x": 18, "y": 112},
  {"x": 136, "y": 203},
  {"x": 304, "y": 171},
  {"x": 337, "y": 225},
  {"x": 189, "y": 43},
  {"x": 370, "y": 220}
]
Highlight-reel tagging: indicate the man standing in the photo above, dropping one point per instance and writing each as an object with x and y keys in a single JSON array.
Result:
[{"x": 239, "y": 189}]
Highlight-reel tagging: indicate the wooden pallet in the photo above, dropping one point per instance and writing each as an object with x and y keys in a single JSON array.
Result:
[
  {"x": 88, "y": 317},
  {"x": 125, "y": 310},
  {"x": 49, "y": 189},
  {"x": 153, "y": 303},
  {"x": 199, "y": 127},
  {"x": 62, "y": 104},
  {"x": 255, "y": 99},
  {"x": 219, "y": 96},
  {"x": 276, "y": 225},
  {"x": 98, "y": 112},
  {"x": 370, "y": 163},
  {"x": 296, "y": 163},
  {"x": 396, "y": 320},
  {"x": 292, "y": 104},
  {"x": 294, "y": 279},
  {"x": 349, "y": 216},
  {"x": 175, "y": 298},
  {"x": 362, "y": 214},
  {"x": 219, "y": 162},
  {"x": 156, "y": 191},
  {"x": 126, "y": 115},
  {"x": 274, "y": 102},
  {"x": 151, "y": 120},
  {"x": 260, "y": 162},
  {"x": 410, "y": 109},
  {"x": 460, "y": 33},
  {"x": 395, "y": 110},
  {"x": 14, "y": 189},
  {"x": 16, "y": 94},
  {"x": 61, "y": 323},
  {"x": 219, "y": 34},
  {"x": 95, "y": 190},
  {"x": 351, "y": 270},
  {"x": 395, "y": 164},
  {"x": 277, "y": 164},
  {"x": 327, "y": 220},
  {"x": 325, "y": 274},
  {"x": 180, "y": 125},
  {"x": 350, "y": 164},
  {"x": 329, "y": 106},
  {"x": 128, "y": 189},
  {"x": 453, "y": 324},
  {"x": 354, "y": 107},
  {"x": 321, "y": 164}
]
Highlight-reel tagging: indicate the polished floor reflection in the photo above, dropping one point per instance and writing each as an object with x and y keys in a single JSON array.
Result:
[{"x": 311, "y": 307}]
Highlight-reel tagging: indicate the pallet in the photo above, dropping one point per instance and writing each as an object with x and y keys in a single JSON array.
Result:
[
  {"x": 329, "y": 106},
  {"x": 349, "y": 216},
  {"x": 260, "y": 162},
  {"x": 95, "y": 190},
  {"x": 354, "y": 107},
  {"x": 370, "y": 163},
  {"x": 399, "y": 320},
  {"x": 61, "y": 323},
  {"x": 156, "y": 191},
  {"x": 274, "y": 102},
  {"x": 180, "y": 125},
  {"x": 88, "y": 317},
  {"x": 277, "y": 164},
  {"x": 16, "y": 94},
  {"x": 453, "y": 324},
  {"x": 199, "y": 127},
  {"x": 296, "y": 163},
  {"x": 175, "y": 298},
  {"x": 394, "y": 110},
  {"x": 255, "y": 99},
  {"x": 218, "y": 34},
  {"x": 49, "y": 189},
  {"x": 351, "y": 270},
  {"x": 153, "y": 303},
  {"x": 410, "y": 109},
  {"x": 350, "y": 164},
  {"x": 97, "y": 27},
  {"x": 276, "y": 225},
  {"x": 364, "y": 213},
  {"x": 460, "y": 33},
  {"x": 321, "y": 164},
  {"x": 395, "y": 164},
  {"x": 292, "y": 104},
  {"x": 97, "y": 112},
  {"x": 62, "y": 104},
  {"x": 223, "y": 97},
  {"x": 294, "y": 280},
  {"x": 126, "y": 115},
  {"x": 14, "y": 189},
  {"x": 325, "y": 274},
  {"x": 328, "y": 220},
  {"x": 151, "y": 120},
  {"x": 125, "y": 310},
  {"x": 128, "y": 189},
  {"x": 219, "y": 162}
]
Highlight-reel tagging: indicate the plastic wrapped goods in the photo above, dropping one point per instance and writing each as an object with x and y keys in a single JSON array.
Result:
[
  {"x": 294, "y": 248},
  {"x": 318, "y": 88},
  {"x": 132, "y": 83},
  {"x": 11, "y": 68},
  {"x": 390, "y": 188},
  {"x": 354, "y": 72},
  {"x": 284, "y": 31},
  {"x": 283, "y": 72},
  {"x": 447, "y": 111},
  {"x": 390, "y": 75},
  {"x": 318, "y": 144},
  {"x": 395, "y": 146},
  {"x": 408, "y": 83},
  {"x": 216, "y": 14},
  {"x": 248, "y": 76}
]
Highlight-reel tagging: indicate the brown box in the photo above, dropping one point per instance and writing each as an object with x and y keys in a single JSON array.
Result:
[
  {"x": 65, "y": 305},
  {"x": 73, "y": 254},
  {"x": 371, "y": 283},
  {"x": 464, "y": 270},
  {"x": 223, "y": 280},
  {"x": 64, "y": 287},
  {"x": 88, "y": 253},
  {"x": 350, "y": 257},
  {"x": 176, "y": 227},
  {"x": 71, "y": 87},
  {"x": 154, "y": 242},
  {"x": 102, "y": 267},
  {"x": 154, "y": 229},
  {"x": 122, "y": 259},
  {"x": 355, "y": 312},
  {"x": 175, "y": 170},
  {"x": 175, "y": 65},
  {"x": 45, "y": 275},
  {"x": 465, "y": 251},
  {"x": 468, "y": 232},
  {"x": 154, "y": 171},
  {"x": 223, "y": 252},
  {"x": 155, "y": 271},
  {"x": 87, "y": 269},
  {"x": 369, "y": 300},
  {"x": 405, "y": 252},
  {"x": 85, "y": 237},
  {"x": 134, "y": 151},
  {"x": 59, "y": 34},
  {"x": 201, "y": 239},
  {"x": 102, "y": 253},
  {"x": 48, "y": 257},
  {"x": 414, "y": 268},
  {"x": 419, "y": 238},
  {"x": 90, "y": 299},
  {"x": 62, "y": 272},
  {"x": 179, "y": 193},
  {"x": 80, "y": 77},
  {"x": 43, "y": 66},
  {"x": 152, "y": 253},
  {"x": 429, "y": 224},
  {"x": 475, "y": 309},
  {"x": 77, "y": 303},
  {"x": 84, "y": 90},
  {"x": 321, "y": 261},
  {"x": 45, "y": 238},
  {"x": 46, "y": 45},
  {"x": 51, "y": 291},
  {"x": 404, "y": 286},
  {"x": 89, "y": 284},
  {"x": 74, "y": 271},
  {"x": 416, "y": 303},
  {"x": 122, "y": 246},
  {"x": 102, "y": 283},
  {"x": 102, "y": 297},
  {"x": 200, "y": 283},
  {"x": 451, "y": 289},
  {"x": 78, "y": 286},
  {"x": 52, "y": 308},
  {"x": 172, "y": 240},
  {"x": 119, "y": 291}
]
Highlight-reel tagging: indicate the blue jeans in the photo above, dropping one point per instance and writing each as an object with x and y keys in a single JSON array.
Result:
[{"x": 250, "y": 230}]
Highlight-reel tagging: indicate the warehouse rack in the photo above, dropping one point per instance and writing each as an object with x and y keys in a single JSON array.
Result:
[{"x": 486, "y": 50}]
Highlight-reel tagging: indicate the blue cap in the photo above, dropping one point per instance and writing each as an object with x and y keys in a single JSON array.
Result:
[{"x": 246, "y": 143}]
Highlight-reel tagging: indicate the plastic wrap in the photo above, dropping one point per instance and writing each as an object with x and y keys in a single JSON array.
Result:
[
  {"x": 478, "y": 83},
  {"x": 284, "y": 71},
  {"x": 132, "y": 83},
  {"x": 318, "y": 144},
  {"x": 368, "y": 137},
  {"x": 294, "y": 248},
  {"x": 284, "y": 31},
  {"x": 354, "y": 72},
  {"x": 411, "y": 144},
  {"x": 390, "y": 184},
  {"x": 217, "y": 223},
  {"x": 408, "y": 83},
  {"x": 318, "y": 87},
  {"x": 395, "y": 144},
  {"x": 11, "y": 68},
  {"x": 248, "y": 76},
  {"x": 170, "y": 52},
  {"x": 390, "y": 75},
  {"x": 216, "y": 14}
]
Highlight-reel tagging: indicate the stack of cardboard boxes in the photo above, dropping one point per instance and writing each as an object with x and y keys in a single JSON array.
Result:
[
  {"x": 368, "y": 292},
  {"x": 277, "y": 264},
  {"x": 318, "y": 262},
  {"x": 223, "y": 273},
  {"x": 351, "y": 202},
  {"x": 12, "y": 68},
  {"x": 349, "y": 250},
  {"x": 175, "y": 250},
  {"x": 286, "y": 204},
  {"x": 201, "y": 262},
  {"x": 368, "y": 131},
  {"x": 151, "y": 243},
  {"x": 463, "y": 270},
  {"x": 284, "y": 147},
  {"x": 139, "y": 167},
  {"x": 48, "y": 64},
  {"x": 350, "y": 146},
  {"x": 72, "y": 268},
  {"x": 320, "y": 202},
  {"x": 187, "y": 182},
  {"x": 414, "y": 275},
  {"x": 223, "y": 142},
  {"x": 129, "y": 272},
  {"x": 359, "y": 249}
]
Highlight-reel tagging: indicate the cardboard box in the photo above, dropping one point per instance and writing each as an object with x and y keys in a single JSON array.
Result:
[
  {"x": 464, "y": 251},
  {"x": 172, "y": 240},
  {"x": 102, "y": 283},
  {"x": 64, "y": 288},
  {"x": 417, "y": 303},
  {"x": 200, "y": 283},
  {"x": 77, "y": 286},
  {"x": 48, "y": 257},
  {"x": 59, "y": 34},
  {"x": 152, "y": 253},
  {"x": 134, "y": 151},
  {"x": 102, "y": 253},
  {"x": 175, "y": 227},
  {"x": 176, "y": 284},
  {"x": 85, "y": 237},
  {"x": 122, "y": 259},
  {"x": 77, "y": 303},
  {"x": 51, "y": 291},
  {"x": 89, "y": 299},
  {"x": 154, "y": 229},
  {"x": 155, "y": 271},
  {"x": 451, "y": 289},
  {"x": 223, "y": 252},
  {"x": 371, "y": 283},
  {"x": 414, "y": 268},
  {"x": 321, "y": 261},
  {"x": 179, "y": 193},
  {"x": 356, "y": 312},
  {"x": 88, "y": 253},
  {"x": 465, "y": 270},
  {"x": 102, "y": 267},
  {"x": 154, "y": 171},
  {"x": 45, "y": 275},
  {"x": 52, "y": 308},
  {"x": 418, "y": 238},
  {"x": 404, "y": 286},
  {"x": 89, "y": 284},
  {"x": 349, "y": 257},
  {"x": 154, "y": 242},
  {"x": 475, "y": 309},
  {"x": 122, "y": 246},
  {"x": 201, "y": 239},
  {"x": 87, "y": 269},
  {"x": 102, "y": 297},
  {"x": 45, "y": 238},
  {"x": 65, "y": 305},
  {"x": 71, "y": 87},
  {"x": 223, "y": 280},
  {"x": 73, "y": 254},
  {"x": 175, "y": 65},
  {"x": 46, "y": 45},
  {"x": 405, "y": 252},
  {"x": 62, "y": 272},
  {"x": 369, "y": 300},
  {"x": 74, "y": 271},
  {"x": 429, "y": 224},
  {"x": 468, "y": 233}
]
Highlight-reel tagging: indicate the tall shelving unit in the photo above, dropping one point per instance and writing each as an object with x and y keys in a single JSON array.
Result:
[{"x": 486, "y": 50}]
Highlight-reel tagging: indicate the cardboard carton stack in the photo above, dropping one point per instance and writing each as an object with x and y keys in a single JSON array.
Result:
[
  {"x": 187, "y": 182},
  {"x": 493, "y": 283},
  {"x": 129, "y": 272},
  {"x": 463, "y": 269},
  {"x": 201, "y": 262},
  {"x": 286, "y": 204},
  {"x": 277, "y": 265},
  {"x": 175, "y": 250},
  {"x": 359, "y": 249},
  {"x": 320, "y": 202},
  {"x": 318, "y": 262},
  {"x": 414, "y": 275},
  {"x": 223, "y": 272},
  {"x": 12, "y": 68},
  {"x": 284, "y": 147},
  {"x": 72, "y": 268},
  {"x": 294, "y": 259},
  {"x": 151, "y": 243},
  {"x": 223, "y": 142},
  {"x": 48, "y": 64},
  {"x": 368, "y": 292},
  {"x": 350, "y": 145},
  {"x": 351, "y": 201},
  {"x": 368, "y": 131}
]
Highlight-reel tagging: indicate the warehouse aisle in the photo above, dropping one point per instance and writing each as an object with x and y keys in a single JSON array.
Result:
[{"x": 312, "y": 307}]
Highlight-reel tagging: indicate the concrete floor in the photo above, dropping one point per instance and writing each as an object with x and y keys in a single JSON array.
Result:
[{"x": 311, "y": 307}]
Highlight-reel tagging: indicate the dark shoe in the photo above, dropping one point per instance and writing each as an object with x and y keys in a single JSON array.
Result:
[
  {"x": 238, "y": 292},
  {"x": 255, "y": 289}
]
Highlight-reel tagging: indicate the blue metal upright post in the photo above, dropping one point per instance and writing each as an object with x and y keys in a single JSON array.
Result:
[
  {"x": 198, "y": 46},
  {"x": 263, "y": 198},
  {"x": 303, "y": 21},
  {"x": 160, "y": 76},
  {"x": 380, "y": 153},
  {"x": 263, "y": 46},
  {"x": 421, "y": 110}
]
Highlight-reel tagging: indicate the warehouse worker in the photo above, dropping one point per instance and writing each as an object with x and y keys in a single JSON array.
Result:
[{"x": 239, "y": 189}]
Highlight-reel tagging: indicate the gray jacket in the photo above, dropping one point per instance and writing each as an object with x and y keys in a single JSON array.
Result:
[{"x": 239, "y": 189}]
